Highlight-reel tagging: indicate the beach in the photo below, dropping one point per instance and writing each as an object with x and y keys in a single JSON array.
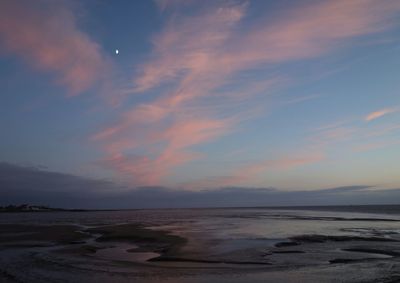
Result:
[{"x": 202, "y": 245}]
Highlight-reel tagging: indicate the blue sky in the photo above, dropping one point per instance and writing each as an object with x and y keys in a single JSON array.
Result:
[{"x": 204, "y": 94}]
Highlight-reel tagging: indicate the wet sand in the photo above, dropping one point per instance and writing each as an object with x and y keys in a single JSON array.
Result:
[
  {"x": 140, "y": 252},
  {"x": 122, "y": 252}
]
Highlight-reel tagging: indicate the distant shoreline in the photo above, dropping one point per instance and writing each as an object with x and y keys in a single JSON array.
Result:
[
  {"x": 34, "y": 208},
  {"x": 368, "y": 208}
]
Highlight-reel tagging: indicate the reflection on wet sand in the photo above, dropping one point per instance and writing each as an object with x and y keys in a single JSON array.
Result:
[{"x": 230, "y": 245}]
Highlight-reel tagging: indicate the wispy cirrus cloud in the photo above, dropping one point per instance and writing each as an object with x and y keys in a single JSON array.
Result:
[
  {"x": 360, "y": 137},
  {"x": 375, "y": 145},
  {"x": 177, "y": 138},
  {"x": 248, "y": 172},
  {"x": 379, "y": 113},
  {"x": 45, "y": 34},
  {"x": 197, "y": 54},
  {"x": 355, "y": 136},
  {"x": 173, "y": 123},
  {"x": 306, "y": 32}
]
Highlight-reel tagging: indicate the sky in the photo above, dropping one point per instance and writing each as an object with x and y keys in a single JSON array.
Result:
[{"x": 218, "y": 101}]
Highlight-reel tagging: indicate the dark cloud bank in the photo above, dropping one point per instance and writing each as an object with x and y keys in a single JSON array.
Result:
[{"x": 22, "y": 184}]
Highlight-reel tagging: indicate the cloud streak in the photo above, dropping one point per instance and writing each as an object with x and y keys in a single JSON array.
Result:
[
  {"x": 45, "y": 34},
  {"x": 243, "y": 174},
  {"x": 177, "y": 138},
  {"x": 198, "y": 54},
  {"x": 306, "y": 32},
  {"x": 378, "y": 114}
]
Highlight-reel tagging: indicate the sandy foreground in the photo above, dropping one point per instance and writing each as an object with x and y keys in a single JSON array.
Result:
[{"x": 135, "y": 253}]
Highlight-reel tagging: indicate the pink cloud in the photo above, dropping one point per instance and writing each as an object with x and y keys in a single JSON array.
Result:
[
  {"x": 285, "y": 163},
  {"x": 359, "y": 138},
  {"x": 250, "y": 172},
  {"x": 377, "y": 114},
  {"x": 306, "y": 32},
  {"x": 45, "y": 34},
  {"x": 310, "y": 31},
  {"x": 374, "y": 145},
  {"x": 382, "y": 130},
  {"x": 176, "y": 138},
  {"x": 189, "y": 46},
  {"x": 195, "y": 56},
  {"x": 333, "y": 135}
]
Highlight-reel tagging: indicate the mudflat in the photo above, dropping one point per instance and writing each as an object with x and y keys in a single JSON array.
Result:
[{"x": 216, "y": 247}]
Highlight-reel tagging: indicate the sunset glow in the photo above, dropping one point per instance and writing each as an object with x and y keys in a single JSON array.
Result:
[{"x": 294, "y": 95}]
